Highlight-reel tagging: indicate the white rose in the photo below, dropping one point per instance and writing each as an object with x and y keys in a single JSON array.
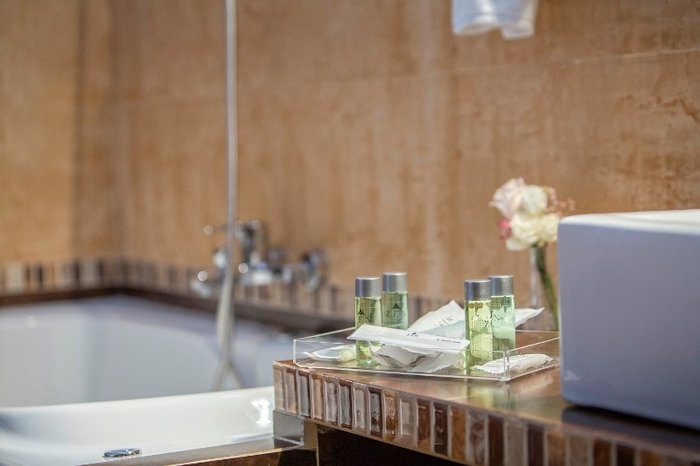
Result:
[
  {"x": 534, "y": 200},
  {"x": 514, "y": 244},
  {"x": 530, "y": 230},
  {"x": 507, "y": 198},
  {"x": 523, "y": 229},
  {"x": 548, "y": 225}
]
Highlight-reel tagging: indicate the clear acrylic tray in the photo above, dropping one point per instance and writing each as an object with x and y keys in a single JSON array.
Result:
[{"x": 529, "y": 342}]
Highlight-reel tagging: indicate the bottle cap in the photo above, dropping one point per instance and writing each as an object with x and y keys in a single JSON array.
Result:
[
  {"x": 395, "y": 282},
  {"x": 477, "y": 290},
  {"x": 501, "y": 285},
  {"x": 368, "y": 287}
]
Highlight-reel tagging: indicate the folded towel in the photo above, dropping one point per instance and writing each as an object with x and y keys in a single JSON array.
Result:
[{"x": 515, "y": 18}]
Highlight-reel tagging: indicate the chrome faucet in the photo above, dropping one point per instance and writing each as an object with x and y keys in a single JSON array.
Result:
[{"x": 257, "y": 265}]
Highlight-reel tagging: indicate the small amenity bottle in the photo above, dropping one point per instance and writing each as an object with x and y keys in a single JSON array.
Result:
[
  {"x": 503, "y": 312},
  {"x": 368, "y": 310},
  {"x": 394, "y": 300},
  {"x": 477, "y": 305}
]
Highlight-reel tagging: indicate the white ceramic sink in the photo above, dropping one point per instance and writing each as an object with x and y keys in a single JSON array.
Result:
[
  {"x": 81, "y": 433},
  {"x": 630, "y": 322}
]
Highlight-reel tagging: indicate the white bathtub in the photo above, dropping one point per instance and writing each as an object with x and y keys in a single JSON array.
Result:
[
  {"x": 57, "y": 359},
  {"x": 81, "y": 433}
]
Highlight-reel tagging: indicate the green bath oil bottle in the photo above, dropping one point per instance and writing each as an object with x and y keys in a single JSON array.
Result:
[
  {"x": 368, "y": 310},
  {"x": 477, "y": 305},
  {"x": 395, "y": 300},
  {"x": 503, "y": 312}
]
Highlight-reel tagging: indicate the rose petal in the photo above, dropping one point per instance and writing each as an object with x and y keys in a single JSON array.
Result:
[
  {"x": 507, "y": 198},
  {"x": 534, "y": 200}
]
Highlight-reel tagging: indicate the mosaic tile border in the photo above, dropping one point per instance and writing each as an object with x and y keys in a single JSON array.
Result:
[
  {"x": 453, "y": 431},
  {"x": 84, "y": 274},
  {"x": 36, "y": 278}
]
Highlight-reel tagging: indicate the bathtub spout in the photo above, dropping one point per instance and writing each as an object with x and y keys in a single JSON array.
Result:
[
  {"x": 257, "y": 265},
  {"x": 208, "y": 283}
]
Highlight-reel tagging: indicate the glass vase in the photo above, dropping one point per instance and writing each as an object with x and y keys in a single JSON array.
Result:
[{"x": 542, "y": 291}]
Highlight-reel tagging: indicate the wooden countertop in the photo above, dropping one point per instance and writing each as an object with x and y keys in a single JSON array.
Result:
[{"x": 524, "y": 421}]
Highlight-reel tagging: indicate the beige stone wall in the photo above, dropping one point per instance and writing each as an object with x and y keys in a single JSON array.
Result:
[
  {"x": 366, "y": 127},
  {"x": 369, "y": 128},
  {"x": 56, "y": 191},
  {"x": 169, "y": 127}
]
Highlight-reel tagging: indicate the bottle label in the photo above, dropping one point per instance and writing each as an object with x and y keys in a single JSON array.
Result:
[
  {"x": 395, "y": 310},
  {"x": 503, "y": 322},
  {"x": 367, "y": 311},
  {"x": 479, "y": 331}
]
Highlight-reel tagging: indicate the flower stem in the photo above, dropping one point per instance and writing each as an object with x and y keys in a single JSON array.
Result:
[{"x": 545, "y": 278}]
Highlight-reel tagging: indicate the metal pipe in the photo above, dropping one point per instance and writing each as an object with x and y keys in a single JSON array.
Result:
[{"x": 225, "y": 310}]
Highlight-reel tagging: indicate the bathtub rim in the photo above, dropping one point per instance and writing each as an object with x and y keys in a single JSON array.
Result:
[{"x": 21, "y": 443}]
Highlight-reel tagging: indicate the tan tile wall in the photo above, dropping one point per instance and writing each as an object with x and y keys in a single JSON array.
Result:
[
  {"x": 170, "y": 127},
  {"x": 55, "y": 177},
  {"x": 365, "y": 127}
]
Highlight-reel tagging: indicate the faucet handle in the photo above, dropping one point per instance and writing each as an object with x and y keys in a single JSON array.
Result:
[
  {"x": 238, "y": 225},
  {"x": 252, "y": 235},
  {"x": 312, "y": 270},
  {"x": 211, "y": 229},
  {"x": 220, "y": 259}
]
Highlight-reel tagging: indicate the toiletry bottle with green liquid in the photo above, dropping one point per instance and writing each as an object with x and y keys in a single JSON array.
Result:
[
  {"x": 395, "y": 300},
  {"x": 368, "y": 310},
  {"x": 502, "y": 312},
  {"x": 477, "y": 305}
]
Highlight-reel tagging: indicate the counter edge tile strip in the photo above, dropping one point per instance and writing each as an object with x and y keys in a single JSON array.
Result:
[{"x": 504, "y": 437}]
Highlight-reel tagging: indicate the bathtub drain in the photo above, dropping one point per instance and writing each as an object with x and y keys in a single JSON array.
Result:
[{"x": 122, "y": 452}]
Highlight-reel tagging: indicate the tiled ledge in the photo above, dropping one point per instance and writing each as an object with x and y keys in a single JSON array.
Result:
[
  {"x": 36, "y": 277},
  {"x": 56, "y": 278},
  {"x": 522, "y": 422}
]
